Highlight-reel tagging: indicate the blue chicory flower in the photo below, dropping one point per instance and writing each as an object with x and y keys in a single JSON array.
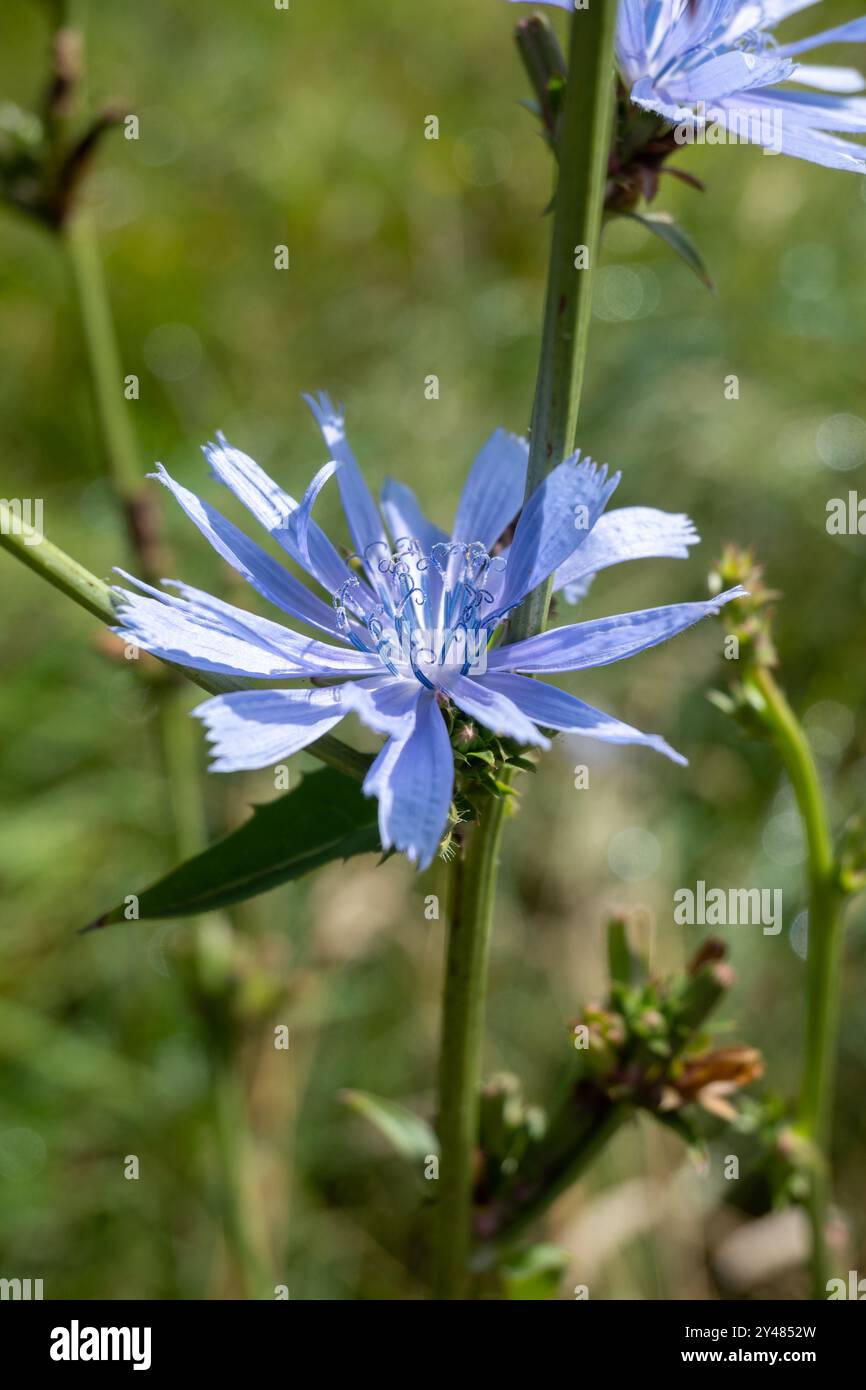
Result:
[
  {"x": 700, "y": 62},
  {"x": 410, "y": 617}
]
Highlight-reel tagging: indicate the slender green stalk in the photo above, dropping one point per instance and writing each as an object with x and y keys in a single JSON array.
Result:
[
  {"x": 103, "y": 356},
  {"x": 583, "y": 152},
  {"x": 71, "y": 578},
  {"x": 51, "y": 563},
  {"x": 825, "y": 940},
  {"x": 470, "y": 917}
]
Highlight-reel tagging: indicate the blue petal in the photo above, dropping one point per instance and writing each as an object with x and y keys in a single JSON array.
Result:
[
  {"x": 852, "y": 32},
  {"x": 482, "y": 701},
  {"x": 265, "y": 575},
  {"x": 811, "y": 110},
  {"x": 405, "y": 517},
  {"x": 631, "y": 37},
  {"x": 201, "y": 631},
  {"x": 365, "y": 523},
  {"x": 555, "y": 709},
  {"x": 829, "y": 78},
  {"x": 725, "y": 75},
  {"x": 799, "y": 136},
  {"x": 301, "y": 519},
  {"x": 413, "y": 777},
  {"x": 558, "y": 517},
  {"x": 383, "y": 705},
  {"x": 272, "y": 508},
  {"x": 629, "y": 533},
  {"x": 605, "y": 640},
  {"x": 255, "y": 728},
  {"x": 493, "y": 492}
]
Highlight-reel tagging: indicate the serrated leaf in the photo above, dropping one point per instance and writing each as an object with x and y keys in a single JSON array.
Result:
[
  {"x": 409, "y": 1136},
  {"x": 663, "y": 225},
  {"x": 326, "y": 817}
]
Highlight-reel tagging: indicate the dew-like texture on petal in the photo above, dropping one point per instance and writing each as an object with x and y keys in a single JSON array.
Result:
[
  {"x": 249, "y": 729},
  {"x": 628, "y": 533},
  {"x": 556, "y": 709},
  {"x": 413, "y": 778},
  {"x": 482, "y": 701},
  {"x": 269, "y": 578},
  {"x": 604, "y": 640},
  {"x": 557, "y": 519},
  {"x": 493, "y": 492}
]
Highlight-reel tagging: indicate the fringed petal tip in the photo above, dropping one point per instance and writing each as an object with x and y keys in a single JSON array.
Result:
[{"x": 719, "y": 600}]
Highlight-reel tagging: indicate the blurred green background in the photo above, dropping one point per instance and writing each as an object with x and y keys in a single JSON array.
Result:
[{"x": 409, "y": 257}]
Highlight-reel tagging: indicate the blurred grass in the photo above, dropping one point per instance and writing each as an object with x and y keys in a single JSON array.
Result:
[{"x": 408, "y": 257}]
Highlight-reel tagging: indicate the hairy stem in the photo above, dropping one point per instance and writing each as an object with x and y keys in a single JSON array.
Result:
[
  {"x": 825, "y": 940},
  {"x": 470, "y": 917},
  {"x": 583, "y": 151}
]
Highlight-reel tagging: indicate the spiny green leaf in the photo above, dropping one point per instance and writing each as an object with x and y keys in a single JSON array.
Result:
[{"x": 326, "y": 817}]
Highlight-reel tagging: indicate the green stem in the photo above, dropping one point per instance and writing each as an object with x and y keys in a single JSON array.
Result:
[
  {"x": 71, "y": 578},
  {"x": 825, "y": 940},
  {"x": 583, "y": 153},
  {"x": 470, "y": 917},
  {"x": 103, "y": 356},
  {"x": 583, "y": 150},
  {"x": 51, "y": 563}
]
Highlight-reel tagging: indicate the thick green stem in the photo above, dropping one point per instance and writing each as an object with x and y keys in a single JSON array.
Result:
[
  {"x": 583, "y": 152},
  {"x": 51, "y": 563},
  {"x": 825, "y": 940},
  {"x": 470, "y": 915}
]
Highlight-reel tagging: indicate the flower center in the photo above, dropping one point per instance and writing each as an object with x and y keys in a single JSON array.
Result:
[{"x": 428, "y": 610}]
